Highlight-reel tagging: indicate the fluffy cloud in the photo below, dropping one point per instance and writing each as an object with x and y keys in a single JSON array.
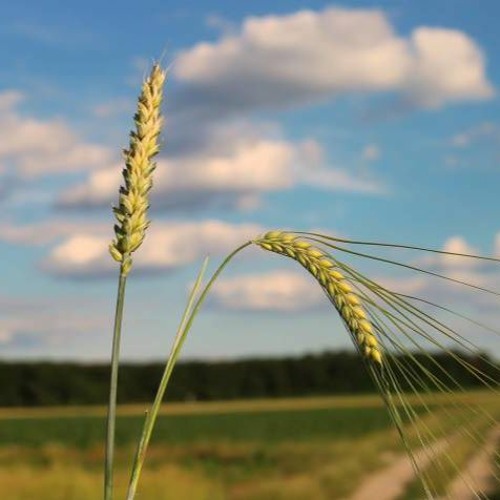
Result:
[
  {"x": 292, "y": 291},
  {"x": 281, "y": 291},
  {"x": 334, "y": 179},
  {"x": 79, "y": 249},
  {"x": 235, "y": 176},
  {"x": 186, "y": 182},
  {"x": 293, "y": 59},
  {"x": 458, "y": 245},
  {"x": 467, "y": 272},
  {"x": 167, "y": 247},
  {"x": 215, "y": 158},
  {"x": 446, "y": 66},
  {"x": 30, "y": 147}
]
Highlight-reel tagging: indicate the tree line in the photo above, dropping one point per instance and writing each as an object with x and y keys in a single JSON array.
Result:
[{"x": 51, "y": 383}]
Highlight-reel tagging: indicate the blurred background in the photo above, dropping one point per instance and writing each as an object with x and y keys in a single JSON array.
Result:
[{"x": 365, "y": 120}]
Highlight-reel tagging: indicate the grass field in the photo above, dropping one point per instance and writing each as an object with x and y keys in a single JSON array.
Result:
[
  {"x": 271, "y": 427},
  {"x": 318, "y": 448}
]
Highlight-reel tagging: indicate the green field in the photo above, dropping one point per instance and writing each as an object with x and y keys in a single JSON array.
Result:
[
  {"x": 305, "y": 449},
  {"x": 270, "y": 427}
]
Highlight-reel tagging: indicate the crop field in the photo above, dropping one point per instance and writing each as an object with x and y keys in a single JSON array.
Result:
[{"x": 317, "y": 448}]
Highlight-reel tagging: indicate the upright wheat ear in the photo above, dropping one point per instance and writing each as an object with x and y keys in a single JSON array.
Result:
[
  {"x": 333, "y": 282},
  {"x": 131, "y": 212}
]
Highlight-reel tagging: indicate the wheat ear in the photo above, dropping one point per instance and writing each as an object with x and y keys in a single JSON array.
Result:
[
  {"x": 131, "y": 212},
  {"x": 333, "y": 283}
]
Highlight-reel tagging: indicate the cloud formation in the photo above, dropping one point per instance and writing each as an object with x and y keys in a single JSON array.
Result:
[
  {"x": 289, "y": 60},
  {"x": 234, "y": 176},
  {"x": 216, "y": 159},
  {"x": 465, "y": 274},
  {"x": 250, "y": 168},
  {"x": 285, "y": 291},
  {"x": 167, "y": 247},
  {"x": 31, "y": 147},
  {"x": 277, "y": 291}
]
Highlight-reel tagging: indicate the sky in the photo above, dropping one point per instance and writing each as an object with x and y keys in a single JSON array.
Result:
[{"x": 367, "y": 120}]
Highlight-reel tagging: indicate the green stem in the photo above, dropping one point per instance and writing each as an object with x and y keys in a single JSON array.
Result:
[
  {"x": 111, "y": 419},
  {"x": 185, "y": 325}
]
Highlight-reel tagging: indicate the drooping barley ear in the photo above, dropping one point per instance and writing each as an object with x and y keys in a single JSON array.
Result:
[
  {"x": 333, "y": 283},
  {"x": 131, "y": 212}
]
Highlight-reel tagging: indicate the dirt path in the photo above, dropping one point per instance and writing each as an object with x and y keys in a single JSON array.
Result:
[
  {"x": 479, "y": 472},
  {"x": 390, "y": 482}
]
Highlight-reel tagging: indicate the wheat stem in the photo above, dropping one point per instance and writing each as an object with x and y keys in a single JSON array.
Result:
[
  {"x": 111, "y": 417},
  {"x": 131, "y": 214},
  {"x": 188, "y": 318},
  {"x": 152, "y": 415}
]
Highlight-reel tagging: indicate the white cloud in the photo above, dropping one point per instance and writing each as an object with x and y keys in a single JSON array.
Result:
[
  {"x": 464, "y": 270},
  {"x": 481, "y": 307},
  {"x": 309, "y": 52},
  {"x": 308, "y": 55},
  {"x": 447, "y": 66},
  {"x": 190, "y": 181},
  {"x": 467, "y": 269},
  {"x": 457, "y": 244},
  {"x": 166, "y": 247},
  {"x": 334, "y": 179},
  {"x": 100, "y": 188},
  {"x": 281, "y": 291},
  {"x": 31, "y": 147},
  {"x": 295, "y": 292},
  {"x": 234, "y": 176}
]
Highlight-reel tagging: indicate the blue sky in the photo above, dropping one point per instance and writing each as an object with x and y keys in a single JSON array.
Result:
[{"x": 369, "y": 120}]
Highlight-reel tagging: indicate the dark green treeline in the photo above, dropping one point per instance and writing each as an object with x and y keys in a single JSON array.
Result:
[{"x": 43, "y": 383}]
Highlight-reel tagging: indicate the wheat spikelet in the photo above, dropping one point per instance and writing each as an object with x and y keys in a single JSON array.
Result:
[
  {"x": 333, "y": 282},
  {"x": 131, "y": 212}
]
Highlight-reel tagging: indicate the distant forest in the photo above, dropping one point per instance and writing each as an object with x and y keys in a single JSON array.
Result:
[{"x": 44, "y": 383}]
